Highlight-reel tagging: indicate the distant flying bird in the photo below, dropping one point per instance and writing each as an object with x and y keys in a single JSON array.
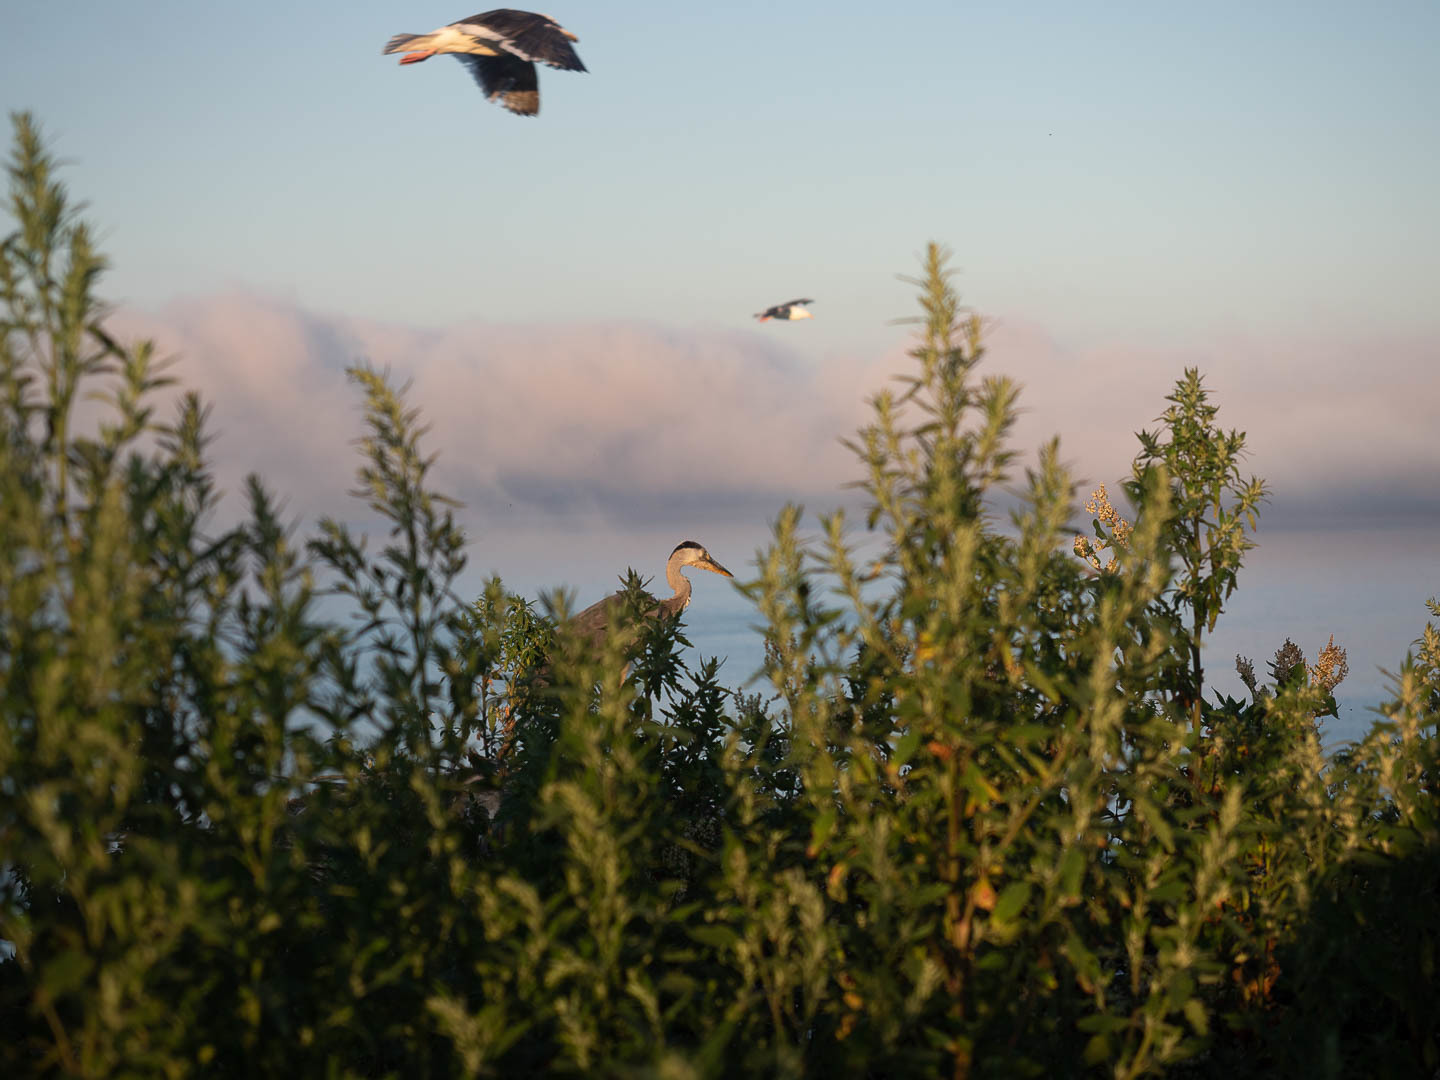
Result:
[
  {"x": 794, "y": 309},
  {"x": 501, "y": 49},
  {"x": 594, "y": 622}
]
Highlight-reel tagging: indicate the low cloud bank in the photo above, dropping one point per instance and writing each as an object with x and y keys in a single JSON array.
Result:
[
  {"x": 643, "y": 423},
  {"x": 1343, "y": 431}
]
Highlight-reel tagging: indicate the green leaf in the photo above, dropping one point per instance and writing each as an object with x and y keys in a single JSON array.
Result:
[
  {"x": 1195, "y": 1013},
  {"x": 716, "y": 936},
  {"x": 1102, "y": 1023},
  {"x": 1028, "y": 733},
  {"x": 67, "y": 972},
  {"x": 1012, "y": 899},
  {"x": 905, "y": 747},
  {"x": 1168, "y": 892},
  {"x": 993, "y": 960},
  {"x": 821, "y": 832},
  {"x": 1086, "y": 964},
  {"x": 1097, "y": 1049},
  {"x": 1181, "y": 989},
  {"x": 1072, "y": 870},
  {"x": 1042, "y": 682},
  {"x": 1152, "y": 816}
]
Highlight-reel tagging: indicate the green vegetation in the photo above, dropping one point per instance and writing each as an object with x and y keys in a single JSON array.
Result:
[{"x": 983, "y": 821}]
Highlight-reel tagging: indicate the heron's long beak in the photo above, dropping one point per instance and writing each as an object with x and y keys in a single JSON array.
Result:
[
  {"x": 568, "y": 34},
  {"x": 711, "y": 564}
]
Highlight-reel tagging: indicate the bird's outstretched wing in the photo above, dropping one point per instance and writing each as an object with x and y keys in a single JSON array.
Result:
[
  {"x": 780, "y": 311},
  {"x": 507, "y": 78},
  {"x": 528, "y": 36}
]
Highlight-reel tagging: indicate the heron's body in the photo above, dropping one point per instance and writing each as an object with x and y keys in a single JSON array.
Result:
[
  {"x": 595, "y": 621},
  {"x": 788, "y": 311},
  {"x": 501, "y": 49}
]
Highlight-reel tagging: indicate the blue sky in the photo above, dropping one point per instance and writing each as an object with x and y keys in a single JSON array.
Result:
[
  {"x": 1277, "y": 160},
  {"x": 1128, "y": 187}
]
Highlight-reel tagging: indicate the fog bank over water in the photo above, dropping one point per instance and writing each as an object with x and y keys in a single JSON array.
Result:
[{"x": 633, "y": 420}]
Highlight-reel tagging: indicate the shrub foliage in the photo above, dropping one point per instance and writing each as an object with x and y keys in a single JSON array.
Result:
[{"x": 980, "y": 820}]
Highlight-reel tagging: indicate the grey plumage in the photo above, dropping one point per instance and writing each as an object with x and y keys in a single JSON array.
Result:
[{"x": 596, "y": 620}]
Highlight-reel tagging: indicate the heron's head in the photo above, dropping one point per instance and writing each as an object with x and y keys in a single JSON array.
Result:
[{"x": 689, "y": 553}]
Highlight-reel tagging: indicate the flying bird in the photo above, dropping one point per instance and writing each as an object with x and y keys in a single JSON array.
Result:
[
  {"x": 791, "y": 310},
  {"x": 594, "y": 622},
  {"x": 501, "y": 49}
]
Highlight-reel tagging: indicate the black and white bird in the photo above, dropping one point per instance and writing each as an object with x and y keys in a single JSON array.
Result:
[
  {"x": 791, "y": 310},
  {"x": 501, "y": 49}
]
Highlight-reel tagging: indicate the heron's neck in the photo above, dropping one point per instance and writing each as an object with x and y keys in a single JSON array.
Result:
[{"x": 678, "y": 581}]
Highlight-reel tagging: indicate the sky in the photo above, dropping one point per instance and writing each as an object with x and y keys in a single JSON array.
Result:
[{"x": 1128, "y": 189}]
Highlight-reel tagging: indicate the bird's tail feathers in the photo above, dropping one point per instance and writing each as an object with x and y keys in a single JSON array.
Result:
[{"x": 403, "y": 43}]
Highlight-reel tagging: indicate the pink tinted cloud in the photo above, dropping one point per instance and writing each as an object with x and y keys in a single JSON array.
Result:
[
  {"x": 1325, "y": 418},
  {"x": 601, "y": 418},
  {"x": 569, "y": 418}
]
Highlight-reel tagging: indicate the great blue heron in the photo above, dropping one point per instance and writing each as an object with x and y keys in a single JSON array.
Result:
[
  {"x": 595, "y": 621},
  {"x": 788, "y": 311},
  {"x": 501, "y": 49}
]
